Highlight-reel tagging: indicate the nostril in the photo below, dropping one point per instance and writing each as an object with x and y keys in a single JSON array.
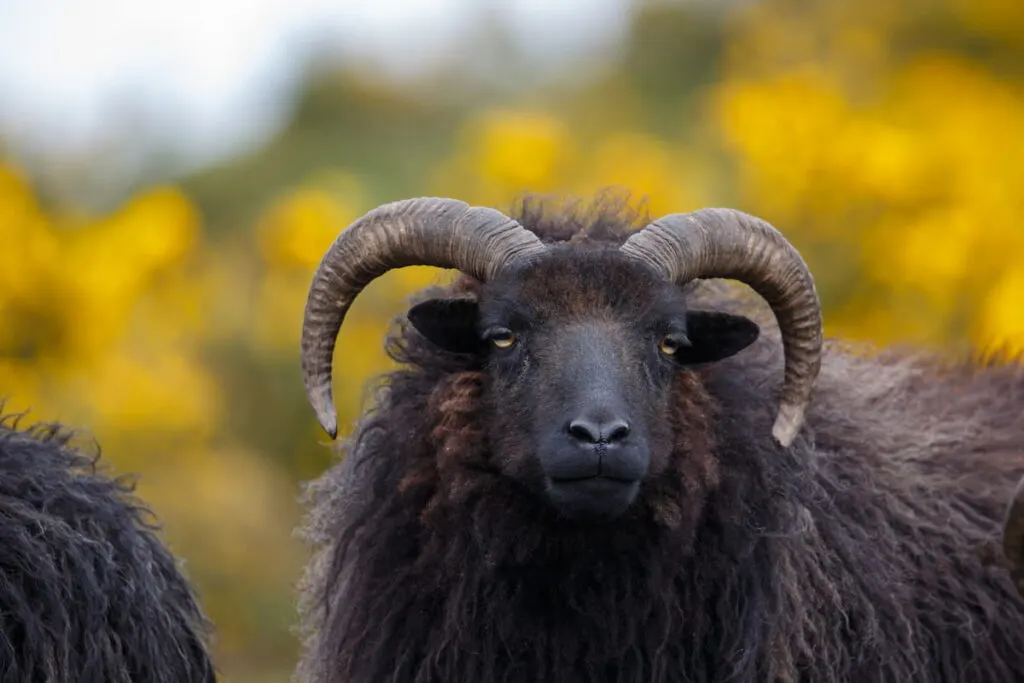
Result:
[
  {"x": 593, "y": 432},
  {"x": 584, "y": 430},
  {"x": 616, "y": 430}
]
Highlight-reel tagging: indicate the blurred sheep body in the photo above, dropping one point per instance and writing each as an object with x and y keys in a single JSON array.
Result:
[
  {"x": 88, "y": 593},
  {"x": 464, "y": 539}
]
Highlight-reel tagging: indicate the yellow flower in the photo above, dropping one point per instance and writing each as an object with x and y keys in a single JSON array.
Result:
[
  {"x": 149, "y": 391},
  {"x": 884, "y": 160},
  {"x": 645, "y": 166},
  {"x": 30, "y": 255},
  {"x": 156, "y": 229},
  {"x": 503, "y": 153},
  {"x": 932, "y": 253},
  {"x": 783, "y": 131},
  {"x": 1000, "y": 323},
  {"x": 297, "y": 230},
  {"x": 521, "y": 149},
  {"x": 910, "y": 163}
]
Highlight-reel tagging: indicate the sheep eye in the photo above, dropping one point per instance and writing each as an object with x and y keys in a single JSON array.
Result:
[
  {"x": 502, "y": 337},
  {"x": 671, "y": 343}
]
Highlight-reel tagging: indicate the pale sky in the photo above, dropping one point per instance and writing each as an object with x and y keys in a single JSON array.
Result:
[{"x": 214, "y": 73}]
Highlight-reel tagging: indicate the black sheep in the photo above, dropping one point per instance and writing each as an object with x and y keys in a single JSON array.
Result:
[
  {"x": 88, "y": 593},
  {"x": 575, "y": 475}
]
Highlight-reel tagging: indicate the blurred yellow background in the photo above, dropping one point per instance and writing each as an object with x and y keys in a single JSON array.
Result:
[{"x": 885, "y": 139}]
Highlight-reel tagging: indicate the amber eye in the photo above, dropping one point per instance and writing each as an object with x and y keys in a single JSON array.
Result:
[
  {"x": 502, "y": 338},
  {"x": 671, "y": 343}
]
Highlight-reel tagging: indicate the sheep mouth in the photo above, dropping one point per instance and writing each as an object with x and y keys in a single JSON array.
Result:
[
  {"x": 599, "y": 479},
  {"x": 597, "y": 498}
]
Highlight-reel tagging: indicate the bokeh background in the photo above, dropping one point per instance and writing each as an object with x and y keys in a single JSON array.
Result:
[{"x": 171, "y": 174}]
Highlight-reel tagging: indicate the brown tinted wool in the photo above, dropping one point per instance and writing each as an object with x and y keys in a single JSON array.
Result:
[{"x": 857, "y": 554}]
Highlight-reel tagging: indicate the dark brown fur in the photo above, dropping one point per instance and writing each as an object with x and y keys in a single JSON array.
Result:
[{"x": 859, "y": 554}]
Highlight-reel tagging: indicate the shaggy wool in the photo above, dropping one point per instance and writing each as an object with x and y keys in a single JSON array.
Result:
[
  {"x": 865, "y": 552},
  {"x": 88, "y": 592}
]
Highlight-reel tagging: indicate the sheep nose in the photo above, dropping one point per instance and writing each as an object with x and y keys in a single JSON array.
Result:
[{"x": 592, "y": 431}]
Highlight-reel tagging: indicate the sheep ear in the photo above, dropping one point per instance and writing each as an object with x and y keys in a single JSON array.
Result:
[
  {"x": 715, "y": 336},
  {"x": 449, "y": 324}
]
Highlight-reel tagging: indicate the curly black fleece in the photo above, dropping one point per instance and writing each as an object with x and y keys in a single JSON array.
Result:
[
  {"x": 88, "y": 593},
  {"x": 864, "y": 553}
]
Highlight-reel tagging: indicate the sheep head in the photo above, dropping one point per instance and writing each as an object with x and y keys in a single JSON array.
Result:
[{"x": 586, "y": 342}]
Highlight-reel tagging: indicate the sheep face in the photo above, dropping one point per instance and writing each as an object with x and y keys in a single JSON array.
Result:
[{"x": 582, "y": 349}]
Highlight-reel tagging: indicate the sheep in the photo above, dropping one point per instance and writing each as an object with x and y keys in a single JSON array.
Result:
[
  {"x": 592, "y": 465},
  {"x": 88, "y": 593}
]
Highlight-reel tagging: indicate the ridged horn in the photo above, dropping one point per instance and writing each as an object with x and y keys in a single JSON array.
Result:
[
  {"x": 427, "y": 231},
  {"x": 1013, "y": 536},
  {"x": 725, "y": 243}
]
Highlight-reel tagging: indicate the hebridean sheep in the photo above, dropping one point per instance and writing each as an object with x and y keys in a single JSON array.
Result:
[
  {"x": 88, "y": 593},
  {"x": 574, "y": 475}
]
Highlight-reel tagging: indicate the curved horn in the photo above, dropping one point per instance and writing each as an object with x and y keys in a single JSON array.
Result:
[
  {"x": 725, "y": 243},
  {"x": 1013, "y": 536},
  {"x": 428, "y": 231}
]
